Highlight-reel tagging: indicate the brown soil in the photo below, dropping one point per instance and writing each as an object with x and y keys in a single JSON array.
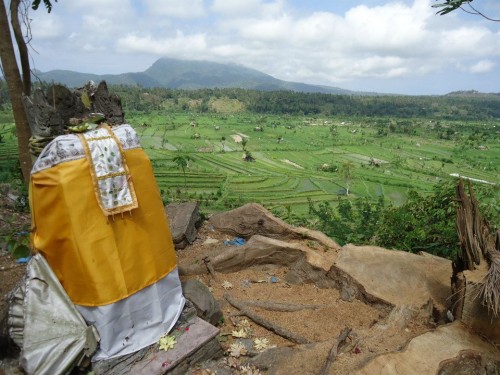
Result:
[
  {"x": 373, "y": 331},
  {"x": 10, "y": 271},
  {"x": 10, "y": 274}
]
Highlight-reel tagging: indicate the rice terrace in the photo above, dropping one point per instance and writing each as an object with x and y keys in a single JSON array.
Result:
[
  {"x": 297, "y": 158},
  {"x": 291, "y": 152}
]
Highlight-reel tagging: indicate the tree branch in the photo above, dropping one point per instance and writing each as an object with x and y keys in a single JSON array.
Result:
[{"x": 265, "y": 323}]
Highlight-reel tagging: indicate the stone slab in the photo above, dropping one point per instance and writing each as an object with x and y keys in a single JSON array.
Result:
[
  {"x": 425, "y": 353},
  {"x": 397, "y": 277},
  {"x": 191, "y": 338}
]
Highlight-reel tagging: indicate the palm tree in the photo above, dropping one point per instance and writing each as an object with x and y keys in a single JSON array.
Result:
[
  {"x": 182, "y": 162},
  {"x": 346, "y": 171},
  {"x": 223, "y": 142}
]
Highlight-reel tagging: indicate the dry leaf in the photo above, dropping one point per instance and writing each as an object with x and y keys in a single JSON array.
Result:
[
  {"x": 232, "y": 362},
  {"x": 167, "y": 342},
  {"x": 244, "y": 323},
  {"x": 237, "y": 349},
  {"x": 242, "y": 333},
  {"x": 247, "y": 370},
  {"x": 261, "y": 344}
]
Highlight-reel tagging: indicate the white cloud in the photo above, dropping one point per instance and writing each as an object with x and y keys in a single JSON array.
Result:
[
  {"x": 176, "y": 8},
  {"x": 114, "y": 9},
  {"x": 393, "y": 39},
  {"x": 248, "y": 8},
  {"x": 47, "y": 28},
  {"x": 90, "y": 47},
  {"x": 483, "y": 66},
  {"x": 180, "y": 45},
  {"x": 267, "y": 30}
]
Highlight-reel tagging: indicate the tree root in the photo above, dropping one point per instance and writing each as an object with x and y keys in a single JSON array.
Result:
[
  {"x": 336, "y": 348},
  {"x": 244, "y": 310},
  {"x": 278, "y": 306}
]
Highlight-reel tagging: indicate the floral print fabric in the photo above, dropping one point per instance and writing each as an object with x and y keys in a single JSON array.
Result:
[
  {"x": 69, "y": 147},
  {"x": 112, "y": 183}
]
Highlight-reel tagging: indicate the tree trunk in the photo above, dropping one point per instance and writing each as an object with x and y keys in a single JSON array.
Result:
[
  {"x": 15, "y": 87},
  {"x": 21, "y": 46}
]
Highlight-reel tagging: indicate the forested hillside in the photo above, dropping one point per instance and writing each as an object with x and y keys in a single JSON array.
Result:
[{"x": 459, "y": 107}]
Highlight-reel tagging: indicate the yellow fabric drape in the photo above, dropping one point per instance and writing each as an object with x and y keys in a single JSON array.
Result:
[{"x": 98, "y": 259}]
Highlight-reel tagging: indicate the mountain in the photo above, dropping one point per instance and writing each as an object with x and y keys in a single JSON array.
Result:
[{"x": 191, "y": 74}]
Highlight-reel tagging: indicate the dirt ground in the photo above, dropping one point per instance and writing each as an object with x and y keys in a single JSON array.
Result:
[
  {"x": 373, "y": 331},
  {"x": 10, "y": 271}
]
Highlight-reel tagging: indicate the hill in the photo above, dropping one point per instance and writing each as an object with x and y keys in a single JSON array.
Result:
[{"x": 192, "y": 74}]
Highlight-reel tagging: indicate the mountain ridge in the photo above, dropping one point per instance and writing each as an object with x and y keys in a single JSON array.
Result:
[{"x": 192, "y": 74}]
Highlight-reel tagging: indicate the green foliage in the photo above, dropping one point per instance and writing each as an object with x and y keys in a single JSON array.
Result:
[
  {"x": 47, "y": 4},
  {"x": 17, "y": 244},
  {"x": 423, "y": 223},
  {"x": 456, "y": 106},
  {"x": 350, "y": 221},
  {"x": 182, "y": 162},
  {"x": 450, "y": 5}
]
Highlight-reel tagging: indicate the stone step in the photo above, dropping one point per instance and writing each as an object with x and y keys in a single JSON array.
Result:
[{"x": 196, "y": 342}]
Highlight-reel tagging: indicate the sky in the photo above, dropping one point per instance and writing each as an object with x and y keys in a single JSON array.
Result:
[{"x": 383, "y": 46}]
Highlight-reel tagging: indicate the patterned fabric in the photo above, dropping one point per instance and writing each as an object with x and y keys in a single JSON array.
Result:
[
  {"x": 112, "y": 181},
  {"x": 69, "y": 147}
]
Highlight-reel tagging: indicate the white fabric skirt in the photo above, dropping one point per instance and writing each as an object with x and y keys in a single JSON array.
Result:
[{"x": 137, "y": 321}]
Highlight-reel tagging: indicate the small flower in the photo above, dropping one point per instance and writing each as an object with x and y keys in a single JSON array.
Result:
[
  {"x": 167, "y": 342},
  {"x": 227, "y": 285},
  {"x": 237, "y": 349},
  {"x": 261, "y": 344}
]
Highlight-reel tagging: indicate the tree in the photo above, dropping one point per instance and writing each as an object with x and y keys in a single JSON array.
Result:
[
  {"x": 15, "y": 89},
  {"x": 223, "y": 143},
  {"x": 465, "y": 5},
  {"x": 182, "y": 162},
  {"x": 18, "y": 87},
  {"x": 346, "y": 171}
]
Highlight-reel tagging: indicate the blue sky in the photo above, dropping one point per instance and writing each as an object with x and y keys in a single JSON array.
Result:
[{"x": 373, "y": 45}]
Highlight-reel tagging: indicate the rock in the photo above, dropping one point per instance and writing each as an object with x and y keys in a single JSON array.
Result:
[
  {"x": 196, "y": 342},
  {"x": 252, "y": 219},
  {"x": 348, "y": 293},
  {"x": 260, "y": 250},
  {"x": 469, "y": 362},
  {"x": 393, "y": 277},
  {"x": 301, "y": 359},
  {"x": 210, "y": 241},
  {"x": 425, "y": 353},
  {"x": 270, "y": 358},
  {"x": 207, "y": 307},
  {"x": 183, "y": 219}
]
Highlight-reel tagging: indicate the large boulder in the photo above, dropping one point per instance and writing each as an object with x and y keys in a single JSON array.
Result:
[
  {"x": 252, "y": 219},
  {"x": 393, "y": 277}
]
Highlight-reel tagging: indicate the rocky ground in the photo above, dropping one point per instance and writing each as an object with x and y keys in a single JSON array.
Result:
[
  {"x": 374, "y": 330},
  {"x": 349, "y": 310}
]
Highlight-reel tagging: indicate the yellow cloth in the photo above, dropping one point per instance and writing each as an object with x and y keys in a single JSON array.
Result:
[{"x": 100, "y": 260}]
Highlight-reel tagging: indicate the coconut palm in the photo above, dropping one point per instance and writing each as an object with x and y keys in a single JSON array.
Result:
[{"x": 182, "y": 162}]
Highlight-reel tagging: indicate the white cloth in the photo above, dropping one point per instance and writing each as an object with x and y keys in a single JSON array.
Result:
[{"x": 138, "y": 321}]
